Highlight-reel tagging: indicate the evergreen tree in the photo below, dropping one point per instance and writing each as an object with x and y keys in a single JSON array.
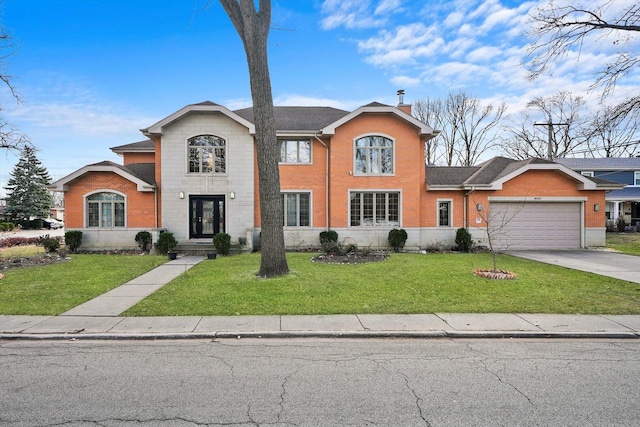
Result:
[{"x": 27, "y": 194}]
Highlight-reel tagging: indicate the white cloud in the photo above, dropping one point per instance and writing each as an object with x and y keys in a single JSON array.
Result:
[
  {"x": 389, "y": 6},
  {"x": 405, "y": 81},
  {"x": 484, "y": 54},
  {"x": 351, "y": 14}
]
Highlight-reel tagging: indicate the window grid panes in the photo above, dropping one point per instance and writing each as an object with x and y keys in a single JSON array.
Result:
[
  {"x": 370, "y": 209},
  {"x": 295, "y": 151},
  {"x": 297, "y": 209},
  {"x": 444, "y": 214},
  {"x": 374, "y": 155},
  {"x": 207, "y": 154},
  {"x": 105, "y": 210}
]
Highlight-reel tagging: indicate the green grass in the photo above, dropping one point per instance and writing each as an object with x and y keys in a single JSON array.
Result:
[
  {"x": 628, "y": 243},
  {"x": 54, "y": 289},
  {"x": 406, "y": 283}
]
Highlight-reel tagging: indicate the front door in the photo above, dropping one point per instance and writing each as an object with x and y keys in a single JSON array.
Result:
[{"x": 206, "y": 216}]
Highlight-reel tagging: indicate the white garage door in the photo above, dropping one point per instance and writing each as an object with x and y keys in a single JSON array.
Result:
[{"x": 536, "y": 225}]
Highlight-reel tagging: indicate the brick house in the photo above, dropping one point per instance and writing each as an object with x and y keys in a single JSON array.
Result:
[{"x": 360, "y": 173}]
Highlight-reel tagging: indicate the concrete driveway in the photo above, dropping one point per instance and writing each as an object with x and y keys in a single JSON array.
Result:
[{"x": 604, "y": 263}]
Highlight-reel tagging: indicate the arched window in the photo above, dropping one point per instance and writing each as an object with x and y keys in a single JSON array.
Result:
[
  {"x": 374, "y": 155},
  {"x": 105, "y": 210},
  {"x": 207, "y": 154}
]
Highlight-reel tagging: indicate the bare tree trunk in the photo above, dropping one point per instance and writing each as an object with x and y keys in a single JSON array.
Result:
[{"x": 253, "y": 28}]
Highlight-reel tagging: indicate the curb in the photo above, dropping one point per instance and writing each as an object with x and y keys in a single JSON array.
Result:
[{"x": 322, "y": 334}]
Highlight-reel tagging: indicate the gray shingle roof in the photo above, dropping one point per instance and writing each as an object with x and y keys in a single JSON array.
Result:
[
  {"x": 299, "y": 118},
  {"x": 607, "y": 163},
  {"x": 146, "y": 145}
]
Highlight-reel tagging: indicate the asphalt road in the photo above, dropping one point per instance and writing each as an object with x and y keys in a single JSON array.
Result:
[{"x": 437, "y": 382}]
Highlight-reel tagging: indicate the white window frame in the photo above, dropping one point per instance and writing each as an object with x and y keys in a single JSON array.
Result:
[
  {"x": 587, "y": 173},
  {"x": 284, "y": 208},
  {"x": 285, "y": 160},
  {"x": 200, "y": 149},
  {"x": 356, "y": 172},
  {"x": 636, "y": 179},
  {"x": 85, "y": 203},
  {"x": 376, "y": 194},
  {"x": 450, "y": 216}
]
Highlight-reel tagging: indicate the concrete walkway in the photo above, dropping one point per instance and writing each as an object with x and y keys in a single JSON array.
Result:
[{"x": 100, "y": 317}]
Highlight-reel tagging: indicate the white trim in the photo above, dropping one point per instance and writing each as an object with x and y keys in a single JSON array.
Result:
[
  {"x": 548, "y": 199},
  {"x": 585, "y": 182},
  {"x": 298, "y": 138},
  {"x": 158, "y": 128},
  {"x": 85, "y": 211},
  {"x": 636, "y": 178},
  {"x": 393, "y": 154},
  {"x": 423, "y": 129},
  {"x": 299, "y": 191},
  {"x": 213, "y": 172},
  {"x": 370, "y": 190},
  {"x": 438, "y": 201},
  {"x": 61, "y": 184},
  {"x": 587, "y": 173}
]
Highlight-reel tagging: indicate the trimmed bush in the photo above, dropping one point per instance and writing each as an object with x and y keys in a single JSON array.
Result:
[
  {"x": 328, "y": 236},
  {"x": 7, "y": 226},
  {"x": 463, "y": 240},
  {"x": 222, "y": 242},
  {"x": 73, "y": 240},
  {"x": 144, "y": 240},
  {"x": 620, "y": 224},
  {"x": 397, "y": 238},
  {"x": 166, "y": 242},
  {"x": 50, "y": 244}
]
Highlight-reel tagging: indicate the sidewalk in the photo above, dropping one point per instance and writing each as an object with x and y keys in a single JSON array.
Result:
[{"x": 100, "y": 318}]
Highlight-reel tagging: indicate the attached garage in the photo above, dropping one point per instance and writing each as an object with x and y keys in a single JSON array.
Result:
[{"x": 537, "y": 225}]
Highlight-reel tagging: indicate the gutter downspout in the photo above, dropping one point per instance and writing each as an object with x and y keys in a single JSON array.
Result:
[{"x": 326, "y": 182}]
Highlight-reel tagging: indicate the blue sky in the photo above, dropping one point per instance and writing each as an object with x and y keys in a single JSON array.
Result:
[{"x": 93, "y": 72}]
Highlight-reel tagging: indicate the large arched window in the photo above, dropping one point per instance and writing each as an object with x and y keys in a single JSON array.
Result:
[
  {"x": 105, "y": 210},
  {"x": 374, "y": 155},
  {"x": 207, "y": 154}
]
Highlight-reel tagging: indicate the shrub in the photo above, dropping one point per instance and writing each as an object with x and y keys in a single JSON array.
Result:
[
  {"x": 166, "y": 242},
  {"x": 36, "y": 224},
  {"x": 339, "y": 249},
  {"x": 328, "y": 236},
  {"x": 7, "y": 226},
  {"x": 620, "y": 224},
  {"x": 50, "y": 244},
  {"x": 73, "y": 240},
  {"x": 397, "y": 238},
  {"x": 242, "y": 241},
  {"x": 143, "y": 239},
  {"x": 463, "y": 240},
  {"x": 222, "y": 242}
]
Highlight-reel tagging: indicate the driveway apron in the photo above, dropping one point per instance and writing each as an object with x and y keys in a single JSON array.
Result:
[{"x": 604, "y": 263}]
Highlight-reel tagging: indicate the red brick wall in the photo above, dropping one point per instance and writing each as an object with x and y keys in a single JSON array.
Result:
[
  {"x": 129, "y": 158},
  {"x": 140, "y": 206}
]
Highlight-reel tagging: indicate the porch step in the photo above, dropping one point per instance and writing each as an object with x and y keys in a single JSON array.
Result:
[{"x": 203, "y": 248}]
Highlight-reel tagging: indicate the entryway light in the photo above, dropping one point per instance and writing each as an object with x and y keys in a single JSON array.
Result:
[
  {"x": 181, "y": 195},
  {"x": 596, "y": 207},
  {"x": 232, "y": 195},
  {"x": 479, "y": 207}
]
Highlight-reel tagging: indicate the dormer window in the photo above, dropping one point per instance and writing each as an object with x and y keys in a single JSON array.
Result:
[
  {"x": 207, "y": 154},
  {"x": 374, "y": 155}
]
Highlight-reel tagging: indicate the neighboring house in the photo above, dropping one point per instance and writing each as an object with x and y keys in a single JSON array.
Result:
[
  {"x": 624, "y": 202},
  {"x": 360, "y": 173}
]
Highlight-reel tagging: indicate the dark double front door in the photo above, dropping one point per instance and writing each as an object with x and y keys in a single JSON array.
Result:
[{"x": 206, "y": 215}]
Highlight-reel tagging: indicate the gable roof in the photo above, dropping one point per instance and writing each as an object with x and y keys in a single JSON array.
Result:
[
  {"x": 606, "y": 163},
  {"x": 492, "y": 174},
  {"x": 302, "y": 119},
  {"x": 141, "y": 174},
  {"x": 206, "y": 106},
  {"x": 376, "y": 107},
  {"x": 146, "y": 146}
]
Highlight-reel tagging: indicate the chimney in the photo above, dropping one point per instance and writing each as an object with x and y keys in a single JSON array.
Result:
[{"x": 401, "y": 105}]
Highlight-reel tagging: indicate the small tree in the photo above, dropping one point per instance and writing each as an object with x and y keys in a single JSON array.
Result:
[
  {"x": 27, "y": 194},
  {"x": 166, "y": 242},
  {"x": 463, "y": 240},
  {"x": 222, "y": 242},
  {"x": 73, "y": 240},
  {"x": 397, "y": 238}
]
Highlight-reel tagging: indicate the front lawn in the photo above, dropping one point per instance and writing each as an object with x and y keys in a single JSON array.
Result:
[
  {"x": 54, "y": 289},
  {"x": 628, "y": 243},
  {"x": 406, "y": 283}
]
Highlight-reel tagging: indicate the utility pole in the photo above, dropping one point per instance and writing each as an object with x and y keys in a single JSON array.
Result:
[{"x": 550, "y": 126}]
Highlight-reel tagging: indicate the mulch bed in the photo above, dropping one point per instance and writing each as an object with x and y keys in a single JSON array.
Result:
[
  {"x": 495, "y": 274},
  {"x": 350, "y": 258}
]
